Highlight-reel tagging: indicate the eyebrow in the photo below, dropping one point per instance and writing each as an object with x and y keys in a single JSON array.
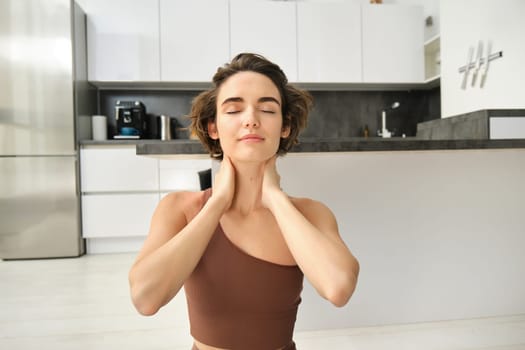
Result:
[{"x": 240, "y": 99}]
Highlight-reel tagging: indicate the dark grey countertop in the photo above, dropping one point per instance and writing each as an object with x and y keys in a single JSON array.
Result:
[
  {"x": 350, "y": 144},
  {"x": 473, "y": 125},
  {"x": 400, "y": 144}
]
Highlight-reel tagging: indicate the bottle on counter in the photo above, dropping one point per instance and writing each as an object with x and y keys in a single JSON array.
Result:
[{"x": 366, "y": 131}]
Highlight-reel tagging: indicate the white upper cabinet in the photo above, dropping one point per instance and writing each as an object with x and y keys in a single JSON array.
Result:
[
  {"x": 194, "y": 39},
  {"x": 312, "y": 41},
  {"x": 393, "y": 44},
  {"x": 123, "y": 40},
  {"x": 267, "y": 28},
  {"x": 329, "y": 42}
]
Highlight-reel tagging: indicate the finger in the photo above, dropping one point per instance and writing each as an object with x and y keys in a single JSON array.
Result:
[
  {"x": 227, "y": 161},
  {"x": 225, "y": 164}
]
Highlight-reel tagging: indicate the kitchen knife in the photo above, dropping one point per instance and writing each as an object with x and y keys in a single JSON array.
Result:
[
  {"x": 486, "y": 67},
  {"x": 467, "y": 68},
  {"x": 479, "y": 55}
]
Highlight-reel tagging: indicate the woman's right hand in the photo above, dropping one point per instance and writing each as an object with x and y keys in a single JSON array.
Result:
[{"x": 224, "y": 184}]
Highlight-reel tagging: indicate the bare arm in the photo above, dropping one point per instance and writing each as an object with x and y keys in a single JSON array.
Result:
[
  {"x": 174, "y": 246},
  {"x": 164, "y": 263},
  {"x": 311, "y": 233}
]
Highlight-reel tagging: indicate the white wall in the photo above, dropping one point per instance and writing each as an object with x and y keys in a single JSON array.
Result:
[
  {"x": 439, "y": 234},
  {"x": 463, "y": 24}
]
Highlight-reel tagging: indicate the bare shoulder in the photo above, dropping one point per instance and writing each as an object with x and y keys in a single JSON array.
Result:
[
  {"x": 315, "y": 212},
  {"x": 186, "y": 197},
  {"x": 305, "y": 205},
  {"x": 185, "y": 202},
  {"x": 173, "y": 212}
]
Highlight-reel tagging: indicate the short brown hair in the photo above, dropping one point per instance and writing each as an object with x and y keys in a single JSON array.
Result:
[{"x": 296, "y": 103}]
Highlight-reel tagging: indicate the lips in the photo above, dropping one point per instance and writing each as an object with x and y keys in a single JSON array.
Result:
[{"x": 252, "y": 137}]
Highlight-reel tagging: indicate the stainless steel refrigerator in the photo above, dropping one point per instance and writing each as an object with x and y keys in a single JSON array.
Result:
[{"x": 45, "y": 103}]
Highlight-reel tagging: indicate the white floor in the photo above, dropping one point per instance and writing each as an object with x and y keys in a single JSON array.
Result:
[{"x": 84, "y": 304}]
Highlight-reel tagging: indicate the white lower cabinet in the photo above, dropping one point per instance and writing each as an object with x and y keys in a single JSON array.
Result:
[
  {"x": 121, "y": 190},
  {"x": 182, "y": 174},
  {"x": 117, "y": 215},
  {"x": 116, "y": 222},
  {"x": 117, "y": 168},
  {"x": 119, "y": 195}
]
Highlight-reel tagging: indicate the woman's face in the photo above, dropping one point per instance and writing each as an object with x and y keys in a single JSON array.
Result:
[{"x": 249, "y": 118}]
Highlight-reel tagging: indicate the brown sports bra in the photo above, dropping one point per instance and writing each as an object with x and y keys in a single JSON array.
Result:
[{"x": 237, "y": 301}]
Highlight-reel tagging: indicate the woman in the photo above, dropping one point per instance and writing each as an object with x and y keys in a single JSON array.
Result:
[{"x": 241, "y": 249}]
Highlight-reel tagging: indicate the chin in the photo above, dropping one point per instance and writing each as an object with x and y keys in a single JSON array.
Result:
[{"x": 251, "y": 156}]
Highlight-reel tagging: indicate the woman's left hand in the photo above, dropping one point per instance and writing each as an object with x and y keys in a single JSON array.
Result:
[{"x": 271, "y": 181}]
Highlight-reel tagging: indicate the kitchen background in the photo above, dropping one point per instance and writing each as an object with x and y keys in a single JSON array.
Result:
[
  {"x": 409, "y": 213},
  {"x": 422, "y": 223},
  {"x": 336, "y": 114},
  {"x": 354, "y": 67}
]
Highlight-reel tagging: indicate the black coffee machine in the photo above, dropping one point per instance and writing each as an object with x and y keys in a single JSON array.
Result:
[{"x": 131, "y": 119}]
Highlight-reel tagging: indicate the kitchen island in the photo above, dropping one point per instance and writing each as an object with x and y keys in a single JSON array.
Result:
[
  {"x": 437, "y": 226},
  {"x": 439, "y": 233}
]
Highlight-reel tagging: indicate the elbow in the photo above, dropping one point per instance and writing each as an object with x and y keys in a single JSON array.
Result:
[
  {"x": 340, "y": 296},
  {"x": 145, "y": 309},
  {"x": 339, "y": 299},
  {"x": 343, "y": 290},
  {"x": 140, "y": 301}
]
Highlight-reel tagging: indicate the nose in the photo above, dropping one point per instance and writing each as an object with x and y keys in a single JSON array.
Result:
[{"x": 250, "y": 119}]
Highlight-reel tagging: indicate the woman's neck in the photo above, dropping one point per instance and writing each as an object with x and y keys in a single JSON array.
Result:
[{"x": 248, "y": 187}]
